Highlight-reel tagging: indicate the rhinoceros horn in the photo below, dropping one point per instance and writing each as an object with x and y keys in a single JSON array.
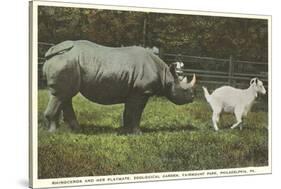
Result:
[{"x": 191, "y": 83}]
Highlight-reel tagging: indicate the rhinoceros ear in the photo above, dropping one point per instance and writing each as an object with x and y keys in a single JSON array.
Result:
[{"x": 173, "y": 70}]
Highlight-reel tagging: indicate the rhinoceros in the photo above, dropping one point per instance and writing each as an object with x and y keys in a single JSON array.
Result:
[{"x": 108, "y": 75}]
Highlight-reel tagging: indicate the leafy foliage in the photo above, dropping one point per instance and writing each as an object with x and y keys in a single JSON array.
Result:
[{"x": 244, "y": 39}]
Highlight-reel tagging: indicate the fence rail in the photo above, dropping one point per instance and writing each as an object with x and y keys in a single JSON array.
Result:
[
  {"x": 219, "y": 71},
  {"x": 46, "y": 44},
  {"x": 209, "y": 70}
]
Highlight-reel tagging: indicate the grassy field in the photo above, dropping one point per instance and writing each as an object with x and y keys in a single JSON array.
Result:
[{"x": 175, "y": 138}]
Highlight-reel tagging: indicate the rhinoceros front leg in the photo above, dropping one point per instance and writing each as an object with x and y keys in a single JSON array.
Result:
[
  {"x": 69, "y": 115},
  {"x": 134, "y": 107},
  {"x": 52, "y": 112}
]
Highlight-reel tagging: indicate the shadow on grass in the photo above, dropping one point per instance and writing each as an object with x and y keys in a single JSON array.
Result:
[
  {"x": 90, "y": 129},
  {"x": 169, "y": 129},
  {"x": 245, "y": 128}
]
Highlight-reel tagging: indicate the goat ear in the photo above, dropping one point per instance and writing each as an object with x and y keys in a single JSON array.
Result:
[{"x": 172, "y": 68}]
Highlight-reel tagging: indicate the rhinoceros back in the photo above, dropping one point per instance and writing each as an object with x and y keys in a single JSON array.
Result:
[
  {"x": 111, "y": 75},
  {"x": 102, "y": 74}
]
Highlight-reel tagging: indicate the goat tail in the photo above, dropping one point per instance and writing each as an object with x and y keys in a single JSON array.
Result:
[{"x": 206, "y": 93}]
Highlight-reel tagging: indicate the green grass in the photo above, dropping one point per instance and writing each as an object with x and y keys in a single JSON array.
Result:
[{"x": 175, "y": 138}]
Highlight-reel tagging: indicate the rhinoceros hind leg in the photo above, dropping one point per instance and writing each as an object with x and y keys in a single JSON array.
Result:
[
  {"x": 132, "y": 114},
  {"x": 69, "y": 115},
  {"x": 52, "y": 112}
]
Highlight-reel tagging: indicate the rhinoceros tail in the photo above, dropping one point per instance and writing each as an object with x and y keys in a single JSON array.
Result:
[{"x": 59, "y": 49}]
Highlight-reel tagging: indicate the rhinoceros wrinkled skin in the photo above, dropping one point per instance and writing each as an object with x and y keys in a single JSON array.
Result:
[{"x": 107, "y": 75}]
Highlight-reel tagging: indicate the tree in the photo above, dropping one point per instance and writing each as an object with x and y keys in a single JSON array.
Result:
[{"x": 221, "y": 37}]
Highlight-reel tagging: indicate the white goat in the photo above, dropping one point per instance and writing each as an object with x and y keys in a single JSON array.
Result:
[{"x": 237, "y": 101}]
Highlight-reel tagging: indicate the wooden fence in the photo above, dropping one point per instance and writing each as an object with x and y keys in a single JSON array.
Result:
[
  {"x": 209, "y": 71},
  {"x": 217, "y": 71}
]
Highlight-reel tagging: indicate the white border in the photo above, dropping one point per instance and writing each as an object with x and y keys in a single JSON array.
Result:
[
  {"x": 38, "y": 183},
  {"x": 146, "y": 177}
]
